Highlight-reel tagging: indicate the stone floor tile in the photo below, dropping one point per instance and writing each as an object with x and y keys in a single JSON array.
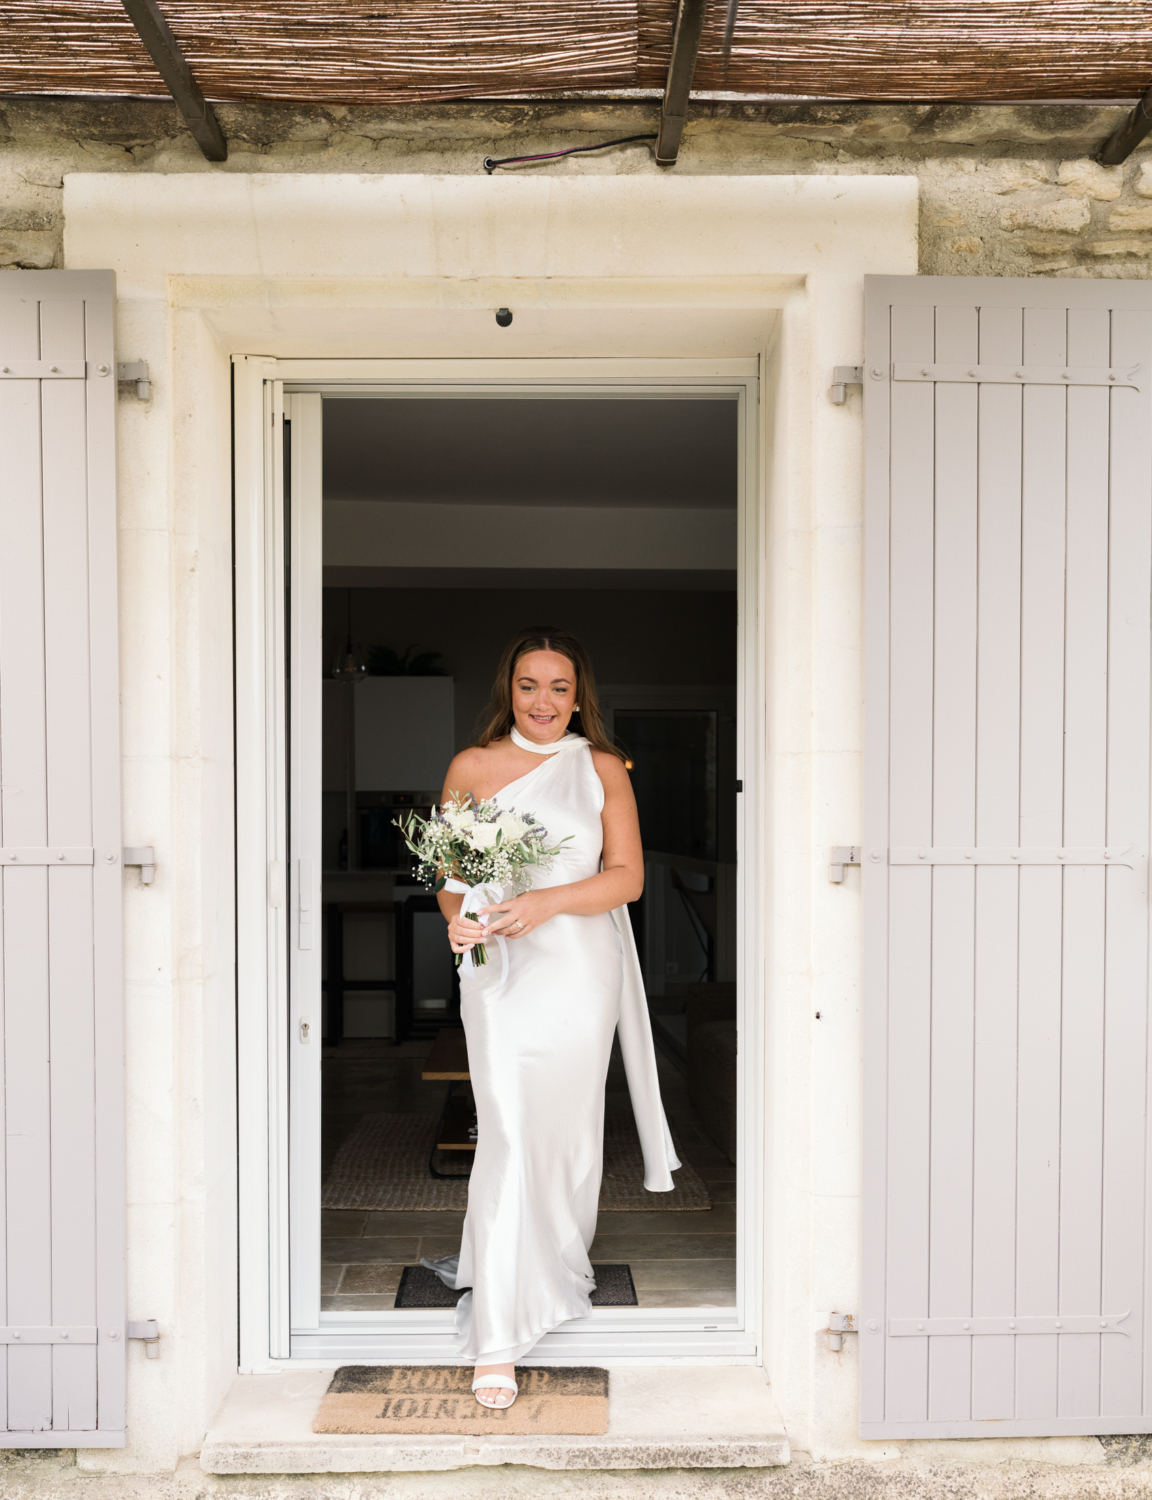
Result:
[
  {"x": 379, "y": 1248},
  {"x": 681, "y": 1275},
  {"x": 433, "y": 1246},
  {"x": 330, "y": 1278},
  {"x": 668, "y": 1297},
  {"x": 362, "y": 1302},
  {"x": 370, "y": 1279},
  {"x": 342, "y": 1222},
  {"x": 670, "y": 1246},
  {"x": 415, "y": 1221},
  {"x": 720, "y": 1220}
]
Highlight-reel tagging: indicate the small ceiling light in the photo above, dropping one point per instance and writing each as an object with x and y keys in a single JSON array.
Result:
[{"x": 349, "y": 665}]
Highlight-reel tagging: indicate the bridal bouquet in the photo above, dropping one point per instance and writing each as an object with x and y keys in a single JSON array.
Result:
[{"x": 480, "y": 850}]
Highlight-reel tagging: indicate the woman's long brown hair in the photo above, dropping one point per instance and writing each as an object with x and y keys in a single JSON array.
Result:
[{"x": 497, "y": 719}]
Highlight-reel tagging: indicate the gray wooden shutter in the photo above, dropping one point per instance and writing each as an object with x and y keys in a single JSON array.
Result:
[
  {"x": 1009, "y": 569},
  {"x": 62, "y": 1168}
]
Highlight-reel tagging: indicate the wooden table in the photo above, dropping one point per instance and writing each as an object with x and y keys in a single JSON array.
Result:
[{"x": 448, "y": 1063}]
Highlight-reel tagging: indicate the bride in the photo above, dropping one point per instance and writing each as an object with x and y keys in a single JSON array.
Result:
[{"x": 539, "y": 1046}]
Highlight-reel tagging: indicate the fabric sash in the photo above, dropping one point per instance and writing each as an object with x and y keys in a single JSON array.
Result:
[
  {"x": 476, "y": 896},
  {"x": 569, "y": 742}
]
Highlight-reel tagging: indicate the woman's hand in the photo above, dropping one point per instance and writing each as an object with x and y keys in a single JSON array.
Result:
[
  {"x": 523, "y": 914},
  {"x": 463, "y": 935}
]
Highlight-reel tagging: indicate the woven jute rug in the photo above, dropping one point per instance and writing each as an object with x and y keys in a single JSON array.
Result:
[
  {"x": 383, "y": 1166},
  {"x": 420, "y": 1287},
  {"x": 439, "y": 1398}
]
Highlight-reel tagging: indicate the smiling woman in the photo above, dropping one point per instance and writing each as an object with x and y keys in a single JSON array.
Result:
[{"x": 540, "y": 1046}]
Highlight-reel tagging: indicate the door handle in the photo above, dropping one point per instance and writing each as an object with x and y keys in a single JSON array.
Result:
[{"x": 304, "y": 903}]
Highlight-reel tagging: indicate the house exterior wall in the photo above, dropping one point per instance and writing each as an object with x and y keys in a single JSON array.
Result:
[
  {"x": 1004, "y": 190},
  {"x": 306, "y": 243}
]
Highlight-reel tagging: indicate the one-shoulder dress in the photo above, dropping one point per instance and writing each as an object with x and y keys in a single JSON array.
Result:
[{"x": 538, "y": 1051}]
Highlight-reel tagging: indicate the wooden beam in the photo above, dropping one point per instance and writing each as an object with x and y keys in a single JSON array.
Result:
[
  {"x": 172, "y": 65},
  {"x": 1121, "y": 143},
  {"x": 681, "y": 66}
]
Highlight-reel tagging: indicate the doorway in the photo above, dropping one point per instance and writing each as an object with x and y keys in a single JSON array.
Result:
[{"x": 422, "y": 528}]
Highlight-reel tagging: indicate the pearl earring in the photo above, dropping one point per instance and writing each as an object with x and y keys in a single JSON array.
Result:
[{"x": 576, "y": 710}]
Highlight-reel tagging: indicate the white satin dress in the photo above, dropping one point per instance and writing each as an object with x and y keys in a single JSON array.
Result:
[{"x": 538, "y": 1051}]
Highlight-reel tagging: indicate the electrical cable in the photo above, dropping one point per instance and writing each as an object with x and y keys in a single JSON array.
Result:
[{"x": 490, "y": 163}]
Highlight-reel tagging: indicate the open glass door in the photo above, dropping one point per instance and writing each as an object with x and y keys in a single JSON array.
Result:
[{"x": 422, "y": 527}]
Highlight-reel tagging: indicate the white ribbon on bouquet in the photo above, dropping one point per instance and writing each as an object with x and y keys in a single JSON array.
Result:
[{"x": 476, "y": 896}]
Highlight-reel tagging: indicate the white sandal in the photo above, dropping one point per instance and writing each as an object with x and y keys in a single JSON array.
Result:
[{"x": 502, "y": 1383}]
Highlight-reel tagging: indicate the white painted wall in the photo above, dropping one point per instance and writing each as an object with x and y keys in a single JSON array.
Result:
[{"x": 411, "y": 266}]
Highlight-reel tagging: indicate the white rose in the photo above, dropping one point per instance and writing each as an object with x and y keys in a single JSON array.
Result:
[
  {"x": 459, "y": 817},
  {"x": 512, "y": 825},
  {"x": 483, "y": 835}
]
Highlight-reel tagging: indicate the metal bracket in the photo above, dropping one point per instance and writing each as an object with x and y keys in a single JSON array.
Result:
[
  {"x": 149, "y": 1333},
  {"x": 146, "y": 859},
  {"x": 838, "y": 1325},
  {"x": 1007, "y": 1323},
  {"x": 842, "y": 377},
  {"x": 46, "y": 369},
  {"x": 842, "y": 854},
  {"x": 978, "y": 374},
  {"x": 136, "y": 370},
  {"x": 55, "y": 856}
]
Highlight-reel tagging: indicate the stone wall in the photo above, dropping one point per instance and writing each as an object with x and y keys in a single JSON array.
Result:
[{"x": 1005, "y": 190}]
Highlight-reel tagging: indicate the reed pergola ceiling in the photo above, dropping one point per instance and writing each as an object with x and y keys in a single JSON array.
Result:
[{"x": 408, "y": 51}]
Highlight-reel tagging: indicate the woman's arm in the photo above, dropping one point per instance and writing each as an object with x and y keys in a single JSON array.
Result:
[{"x": 620, "y": 880}]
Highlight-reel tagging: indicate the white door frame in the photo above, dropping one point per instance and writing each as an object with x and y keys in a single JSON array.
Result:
[{"x": 279, "y": 1291}]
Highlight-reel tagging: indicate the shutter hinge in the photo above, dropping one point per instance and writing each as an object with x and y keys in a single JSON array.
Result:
[
  {"x": 149, "y": 1333},
  {"x": 842, "y": 377},
  {"x": 838, "y": 1325},
  {"x": 842, "y": 854},
  {"x": 146, "y": 859},
  {"x": 135, "y": 370}
]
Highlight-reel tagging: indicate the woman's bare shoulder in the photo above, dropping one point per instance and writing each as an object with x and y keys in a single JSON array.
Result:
[
  {"x": 469, "y": 766},
  {"x": 464, "y": 765},
  {"x": 610, "y": 769}
]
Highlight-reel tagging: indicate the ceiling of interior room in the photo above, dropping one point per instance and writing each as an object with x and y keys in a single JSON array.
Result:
[{"x": 665, "y": 453}]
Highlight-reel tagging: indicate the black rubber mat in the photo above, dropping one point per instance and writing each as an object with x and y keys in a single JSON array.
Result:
[{"x": 420, "y": 1287}]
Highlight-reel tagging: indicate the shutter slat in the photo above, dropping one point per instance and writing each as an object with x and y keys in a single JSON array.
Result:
[
  {"x": 953, "y": 887},
  {"x": 27, "y": 1110},
  {"x": 67, "y": 698},
  {"x": 108, "y": 962},
  {"x": 913, "y": 337},
  {"x": 997, "y": 825},
  {"x": 1085, "y": 794},
  {"x": 1006, "y": 1035},
  {"x": 1041, "y": 819},
  {"x": 1124, "y": 1164},
  {"x": 63, "y": 1190},
  {"x": 26, "y": 1056}
]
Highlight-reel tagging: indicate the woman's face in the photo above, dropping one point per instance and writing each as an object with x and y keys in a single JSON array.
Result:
[{"x": 543, "y": 696}]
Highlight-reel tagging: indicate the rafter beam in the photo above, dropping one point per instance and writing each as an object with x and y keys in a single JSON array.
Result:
[
  {"x": 172, "y": 65},
  {"x": 681, "y": 66},
  {"x": 1121, "y": 143}
]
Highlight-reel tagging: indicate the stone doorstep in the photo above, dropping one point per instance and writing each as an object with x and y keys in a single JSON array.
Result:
[{"x": 666, "y": 1417}]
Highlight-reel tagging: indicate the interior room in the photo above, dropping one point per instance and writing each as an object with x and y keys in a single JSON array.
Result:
[{"x": 450, "y": 523}]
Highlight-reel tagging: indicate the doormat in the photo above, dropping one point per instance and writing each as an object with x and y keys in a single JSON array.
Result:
[
  {"x": 383, "y": 1166},
  {"x": 439, "y": 1398},
  {"x": 420, "y": 1287}
]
